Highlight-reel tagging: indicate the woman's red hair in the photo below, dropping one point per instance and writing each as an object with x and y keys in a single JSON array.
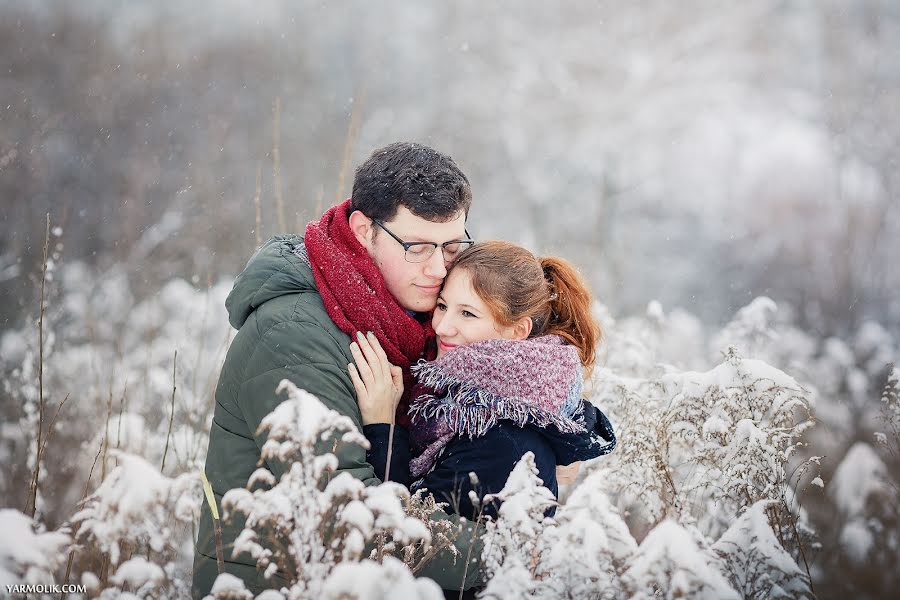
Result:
[{"x": 514, "y": 283}]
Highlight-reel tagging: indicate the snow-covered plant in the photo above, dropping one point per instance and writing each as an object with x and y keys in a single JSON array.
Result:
[
  {"x": 890, "y": 415},
  {"x": 114, "y": 355},
  {"x": 590, "y": 523},
  {"x": 756, "y": 562},
  {"x": 674, "y": 562},
  {"x": 140, "y": 522},
  {"x": 307, "y": 523},
  {"x": 738, "y": 426},
  {"x": 692, "y": 441},
  {"x": 28, "y": 555},
  {"x": 867, "y": 500},
  {"x": 514, "y": 543},
  {"x": 751, "y": 331}
]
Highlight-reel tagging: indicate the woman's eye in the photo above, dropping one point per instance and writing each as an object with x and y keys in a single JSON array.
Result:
[
  {"x": 468, "y": 314},
  {"x": 441, "y": 306}
]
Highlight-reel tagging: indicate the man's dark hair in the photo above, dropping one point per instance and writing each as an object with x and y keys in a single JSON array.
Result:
[{"x": 426, "y": 182}]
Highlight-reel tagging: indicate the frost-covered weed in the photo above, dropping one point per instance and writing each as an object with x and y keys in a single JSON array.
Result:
[
  {"x": 514, "y": 544},
  {"x": 698, "y": 441},
  {"x": 138, "y": 523},
  {"x": 756, "y": 562},
  {"x": 113, "y": 355},
  {"x": 28, "y": 555},
  {"x": 589, "y": 523},
  {"x": 316, "y": 530}
]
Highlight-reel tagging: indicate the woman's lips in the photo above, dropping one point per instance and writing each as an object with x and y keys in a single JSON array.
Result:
[{"x": 445, "y": 346}]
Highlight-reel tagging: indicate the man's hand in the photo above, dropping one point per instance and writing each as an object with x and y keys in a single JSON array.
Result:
[{"x": 378, "y": 383}]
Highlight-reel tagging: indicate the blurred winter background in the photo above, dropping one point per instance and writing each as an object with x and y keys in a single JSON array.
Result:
[{"x": 692, "y": 158}]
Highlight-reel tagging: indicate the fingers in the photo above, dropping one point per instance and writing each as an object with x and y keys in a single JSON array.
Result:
[
  {"x": 362, "y": 366},
  {"x": 358, "y": 385},
  {"x": 397, "y": 378},
  {"x": 376, "y": 345},
  {"x": 379, "y": 368}
]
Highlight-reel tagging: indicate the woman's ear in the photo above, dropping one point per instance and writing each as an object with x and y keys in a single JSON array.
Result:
[
  {"x": 361, "y": 226},
  {"x": 521, "y": 329}
]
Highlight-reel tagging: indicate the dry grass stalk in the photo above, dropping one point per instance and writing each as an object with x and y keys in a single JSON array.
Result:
[
  {"x": 349, "y": 143},
  {"x": 162, "y": 468},
  {"x": 320, "y": 205},
  {"x": 256, "y": 203},
  {"x": 32, "y": 499},
  {"x": 106, "y": 433},
  {"x": 84, "y": 494}
]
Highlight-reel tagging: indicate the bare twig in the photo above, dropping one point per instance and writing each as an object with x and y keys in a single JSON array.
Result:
[
  {"x": 793, "y": 523},
  {"x": 106, "y": 433},
  {"x": 276, "y": 165},
  {"x": 87, "y": 484},
  {"x": 121, "y": 414},
  {"x": 50, "y": 427},
  {"x": 171, "y": 414},
  {"x": 32, "y": 499}
]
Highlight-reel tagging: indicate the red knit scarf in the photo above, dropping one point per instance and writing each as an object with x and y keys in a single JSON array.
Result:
[{"x": 357, "y": 299}]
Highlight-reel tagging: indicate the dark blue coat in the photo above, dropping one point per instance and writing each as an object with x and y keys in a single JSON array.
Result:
[{"x": 491, "y": 457}]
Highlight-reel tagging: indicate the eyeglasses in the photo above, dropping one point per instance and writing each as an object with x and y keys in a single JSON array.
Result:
[{"x": 417, "y": 252}]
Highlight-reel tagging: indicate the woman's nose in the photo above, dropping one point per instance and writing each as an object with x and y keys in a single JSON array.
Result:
[{"x": 444, "y": 327}]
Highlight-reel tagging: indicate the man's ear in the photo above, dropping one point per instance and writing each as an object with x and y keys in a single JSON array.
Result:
[
  {"x": 361, "y": 226},
  {"x": 522, "y": 328}
]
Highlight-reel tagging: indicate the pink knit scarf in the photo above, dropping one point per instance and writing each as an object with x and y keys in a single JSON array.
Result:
[{"x": 465, "y": 392}]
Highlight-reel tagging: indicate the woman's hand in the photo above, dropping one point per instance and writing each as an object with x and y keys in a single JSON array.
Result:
[
  {"x": 567, "y": 474},
  {"x": 378, "y": 383}
]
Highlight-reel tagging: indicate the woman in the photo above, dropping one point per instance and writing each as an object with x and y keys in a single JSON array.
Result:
[{"x": 514, "y": 334}]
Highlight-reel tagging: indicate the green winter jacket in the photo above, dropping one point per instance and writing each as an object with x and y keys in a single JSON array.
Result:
[{"x": 283, "y": 333}]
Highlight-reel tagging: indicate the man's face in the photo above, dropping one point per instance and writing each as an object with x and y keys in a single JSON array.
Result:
[{"x": 415, "y": 286}]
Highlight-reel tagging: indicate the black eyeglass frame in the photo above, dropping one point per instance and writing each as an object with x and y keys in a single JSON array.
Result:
[{"x": 434, "y": 246}]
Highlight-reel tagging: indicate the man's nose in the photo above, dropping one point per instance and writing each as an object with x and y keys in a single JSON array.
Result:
[{"x": 435, "y": 265}]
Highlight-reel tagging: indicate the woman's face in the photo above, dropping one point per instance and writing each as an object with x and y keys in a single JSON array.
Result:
[{"x": 461, "y": 317}]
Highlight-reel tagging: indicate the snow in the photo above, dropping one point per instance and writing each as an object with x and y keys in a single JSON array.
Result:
[
  {"x": 860, "y": 474},
  {"x": 756, "y": 560},
  {"x": 356, "y": 514},
  {"x": 522, "y": 495},
  {"x": 727, "y": 375},
  {"x": 137, "y": 572},
  {"x": 27, "y": 555},
  {"x": 856, "y": 541},
  {"x": 132, "y": 503},
  {"x": 226, "y": 583},
  {"x": 669, "y": 559},
  {"x": 368, "y": 580},
  {"x": 303, "y": 417}
]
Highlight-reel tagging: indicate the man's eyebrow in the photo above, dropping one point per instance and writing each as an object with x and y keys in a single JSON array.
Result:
[{"x": 413, "y": 239}]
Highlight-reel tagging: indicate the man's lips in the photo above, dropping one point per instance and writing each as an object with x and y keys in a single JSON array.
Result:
[{"x": 431, "y": 289}]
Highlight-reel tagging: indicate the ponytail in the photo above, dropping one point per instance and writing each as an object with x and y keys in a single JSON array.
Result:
[
  {"x": 514, "y": 283},
  {"x": 570, "y": 306}
]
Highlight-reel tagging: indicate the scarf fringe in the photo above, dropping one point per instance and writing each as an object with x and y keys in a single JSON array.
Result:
[{"x": 472, "y": 411}]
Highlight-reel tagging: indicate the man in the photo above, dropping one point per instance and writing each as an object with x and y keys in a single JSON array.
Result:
[{"x": 373, "y": 263}]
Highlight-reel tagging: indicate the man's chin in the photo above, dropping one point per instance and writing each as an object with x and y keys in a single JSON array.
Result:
[{"x": 421, "y": 305}]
